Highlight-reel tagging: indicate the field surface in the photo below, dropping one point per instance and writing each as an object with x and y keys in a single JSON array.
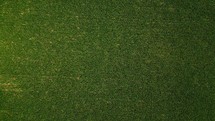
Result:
[{"x": 107, "y": 60}]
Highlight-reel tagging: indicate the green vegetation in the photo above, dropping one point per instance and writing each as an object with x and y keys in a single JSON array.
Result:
[
  {"x": 107, "y": 60},
  {"x": 1, "y": 99}
]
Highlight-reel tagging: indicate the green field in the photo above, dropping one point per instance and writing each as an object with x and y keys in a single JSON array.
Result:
[{"x": 107, "y": 60}]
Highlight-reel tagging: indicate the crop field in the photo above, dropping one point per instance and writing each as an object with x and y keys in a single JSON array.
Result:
[{"x": 107, "y": 60}]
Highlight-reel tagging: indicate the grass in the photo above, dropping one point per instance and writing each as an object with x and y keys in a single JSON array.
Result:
[{"x": 107, "y": 60}]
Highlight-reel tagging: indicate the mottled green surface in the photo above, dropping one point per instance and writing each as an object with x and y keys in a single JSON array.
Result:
[{"x": 107, "y": 60}]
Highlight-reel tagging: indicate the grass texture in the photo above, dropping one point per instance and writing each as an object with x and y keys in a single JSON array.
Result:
[{"x": 107, "y": 60}]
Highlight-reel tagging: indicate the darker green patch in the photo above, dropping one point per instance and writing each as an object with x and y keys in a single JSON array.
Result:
[{"x": 1, "y": 99}]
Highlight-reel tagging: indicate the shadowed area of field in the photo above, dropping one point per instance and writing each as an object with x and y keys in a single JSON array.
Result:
[{"x": 107, "y": 60}]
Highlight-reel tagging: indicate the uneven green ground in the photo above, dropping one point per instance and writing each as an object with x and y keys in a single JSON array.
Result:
[{"x": 107, "y": 60}]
